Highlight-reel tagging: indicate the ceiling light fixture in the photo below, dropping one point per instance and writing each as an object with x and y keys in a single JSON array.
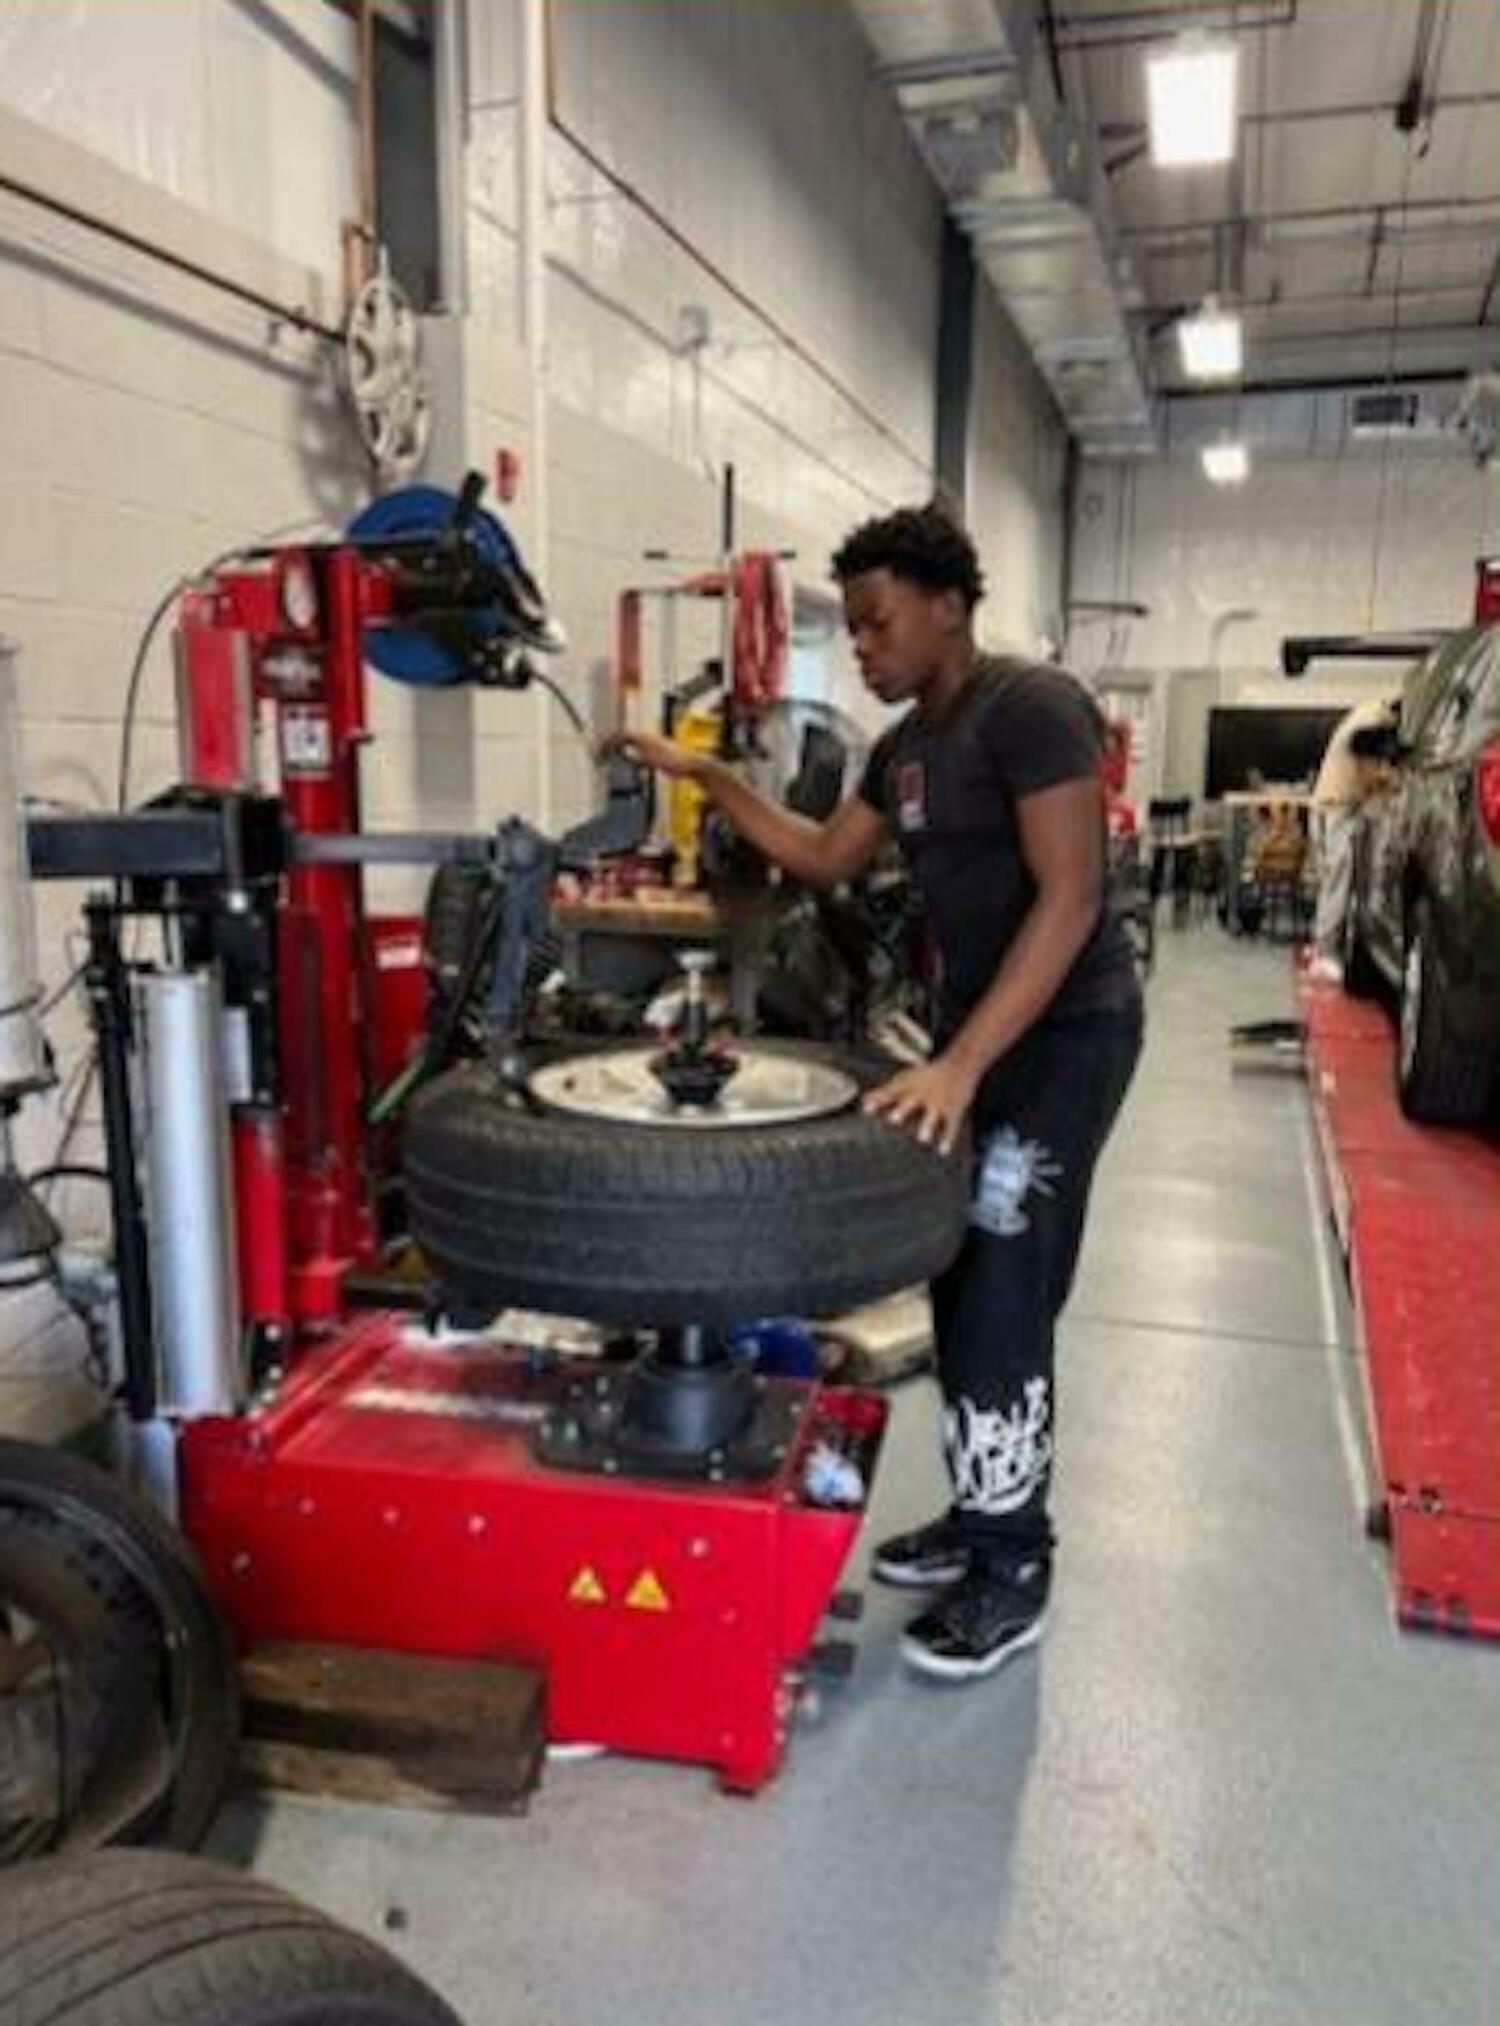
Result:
[
  {"x": 1211, "y": 344},
  {"x": 1192, "y": 97},
  {"x": 1226, "y": 463}
]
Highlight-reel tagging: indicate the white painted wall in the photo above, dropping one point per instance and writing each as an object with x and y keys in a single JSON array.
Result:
[
  {"x": 1358, "y": 542},
  {"x": 1346, "y": 538},
  {"x": 147, "y": 422},
  {"x": 150, "y": 422},
  {"x": 240, "y": 108},
  {"x": 766, "y": 157}
]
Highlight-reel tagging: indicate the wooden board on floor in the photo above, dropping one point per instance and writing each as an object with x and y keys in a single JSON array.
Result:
[{"x": 399, "y": 1728}]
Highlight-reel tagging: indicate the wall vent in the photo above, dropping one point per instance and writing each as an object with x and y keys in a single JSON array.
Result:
[{"x": 1386, "y": 412}]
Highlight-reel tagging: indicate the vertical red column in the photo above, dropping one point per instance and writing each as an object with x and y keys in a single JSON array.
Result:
[
  {"x": 323, "y": 961},
  {"x": 215, "y": 698}
]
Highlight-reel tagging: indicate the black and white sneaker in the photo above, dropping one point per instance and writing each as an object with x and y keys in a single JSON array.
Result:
[
  {"x": 925, "y": 1559},
  {"x": 977, "y": 1625}
]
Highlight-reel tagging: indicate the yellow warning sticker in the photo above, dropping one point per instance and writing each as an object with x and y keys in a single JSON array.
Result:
[
  {"x": 586, "y": 1588},
  {"x": 646, "y": 1593}
]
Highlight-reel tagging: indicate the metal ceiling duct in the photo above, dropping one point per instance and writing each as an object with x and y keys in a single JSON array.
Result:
[{"x": 974, "y": 81}]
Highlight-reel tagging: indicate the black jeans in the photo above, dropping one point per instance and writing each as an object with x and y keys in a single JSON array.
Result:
[{"x": 1040, "y": 1123}]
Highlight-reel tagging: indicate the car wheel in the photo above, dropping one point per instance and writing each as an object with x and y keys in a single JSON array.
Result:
[
  {"x": 1441, "y": 1077},
  {"x": 141, "y": 1938},
  {"x": 580, "y": 1193},
  {"x": 107, "y": 1619}
]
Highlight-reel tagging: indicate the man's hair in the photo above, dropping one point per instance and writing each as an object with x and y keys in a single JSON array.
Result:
[
  {"x": 925, "y": 545},
  {"x": 1374, "y": 742}
]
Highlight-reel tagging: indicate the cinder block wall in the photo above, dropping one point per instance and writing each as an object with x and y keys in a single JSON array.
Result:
[{"x": 149, "y": 422}]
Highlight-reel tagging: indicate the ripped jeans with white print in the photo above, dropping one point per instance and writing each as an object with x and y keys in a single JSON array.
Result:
[{"x": 1041, "y": 1121}]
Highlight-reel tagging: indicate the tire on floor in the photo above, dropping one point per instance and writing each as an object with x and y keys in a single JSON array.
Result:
[
  {"x": 146, "y": 1659},
  {"x": 149, "y": 1938}
]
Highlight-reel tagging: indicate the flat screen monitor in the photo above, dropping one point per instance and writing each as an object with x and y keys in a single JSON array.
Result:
[{"x": 1249, "y": 747}]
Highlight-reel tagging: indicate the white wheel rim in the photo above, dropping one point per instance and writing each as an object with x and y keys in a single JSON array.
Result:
[
  {"x": 620, "y": 1085},
  {"x": 1411, "y": 1004}
]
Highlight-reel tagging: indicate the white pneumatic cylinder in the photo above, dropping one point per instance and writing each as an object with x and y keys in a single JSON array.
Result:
[
  {"x": 195, "y": 1296},
  {"x": 22, "y": 1063}
]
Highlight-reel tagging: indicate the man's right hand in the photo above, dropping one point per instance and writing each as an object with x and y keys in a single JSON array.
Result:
[{"x": 651, "y": 750}]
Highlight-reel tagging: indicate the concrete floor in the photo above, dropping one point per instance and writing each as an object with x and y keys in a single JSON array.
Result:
[{"x": 1224, "y": 1789}]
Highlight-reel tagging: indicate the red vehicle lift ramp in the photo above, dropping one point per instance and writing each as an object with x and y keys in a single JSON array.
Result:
[{"x": 1418, "y": 1215}]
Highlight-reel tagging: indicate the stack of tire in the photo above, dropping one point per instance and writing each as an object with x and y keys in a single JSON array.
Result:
[{"x": 119, "y": 1719}]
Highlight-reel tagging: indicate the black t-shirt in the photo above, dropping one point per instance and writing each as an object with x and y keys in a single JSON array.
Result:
[{"x": 949, "y": 787}]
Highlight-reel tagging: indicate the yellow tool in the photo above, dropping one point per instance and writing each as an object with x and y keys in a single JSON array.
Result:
[{"x": 699, "y": 731}]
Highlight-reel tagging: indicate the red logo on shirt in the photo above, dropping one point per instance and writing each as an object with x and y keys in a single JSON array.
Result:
[{"x": 911, "y": 796}]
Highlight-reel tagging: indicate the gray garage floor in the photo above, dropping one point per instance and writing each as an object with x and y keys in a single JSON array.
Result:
[{"x": 1224, "y": 1790}]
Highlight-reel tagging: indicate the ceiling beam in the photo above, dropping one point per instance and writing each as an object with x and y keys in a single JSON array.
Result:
[
  {"x": 1127, "y": 27},
  {"x": 1397, "y": 214},
  {"x": 1339, "y": 109},
  {"x": 1317, "y": 383},
  {"x": 1271, "y": 305}
]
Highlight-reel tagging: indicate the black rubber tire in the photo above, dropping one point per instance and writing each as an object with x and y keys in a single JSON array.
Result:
[
  {"x": 1363, "y": 978},
  {"x": 81, "y": 1752},
  {"x": 1448, "y": 1079},
  {"x": 143, "y": 1938},
  {"x": 153, "y": 1577},
  {"x": 455, "y": 905},
  {"x": 636, "y": 1224},
  {"x": 1362, "y": 975}
]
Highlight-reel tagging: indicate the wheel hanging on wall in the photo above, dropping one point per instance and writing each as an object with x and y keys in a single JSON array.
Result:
[
  {"x": 584, "y": 1190},
  {"x": 143, "y": 1938},
  {"x": 383, "y": 371}
]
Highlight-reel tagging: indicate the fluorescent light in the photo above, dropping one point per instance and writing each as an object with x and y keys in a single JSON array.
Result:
[
  {"x": 1211, "y": 344},
  {"x": 1226, "y": 463},
  {"x": 1192, "y": 93}
]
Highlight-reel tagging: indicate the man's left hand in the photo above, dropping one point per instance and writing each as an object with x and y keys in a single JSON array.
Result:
[{"x": 930, "y": 1101}]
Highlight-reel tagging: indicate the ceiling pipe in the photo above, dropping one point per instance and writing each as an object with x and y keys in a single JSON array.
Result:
[
  {"x": 1285, "y": 116},
  {"x": 451, "y": 100},
  {"x": 1332, "y": 214},
  {"x": 1226, "y": 20},
  {"x": 975, "y": 82}
]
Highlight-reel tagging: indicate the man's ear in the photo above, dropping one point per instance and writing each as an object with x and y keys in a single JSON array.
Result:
[{"x": 955, "y": 612}]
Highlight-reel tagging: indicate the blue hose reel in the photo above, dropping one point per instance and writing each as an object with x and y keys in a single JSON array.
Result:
[{"x": 434, "y": 658}]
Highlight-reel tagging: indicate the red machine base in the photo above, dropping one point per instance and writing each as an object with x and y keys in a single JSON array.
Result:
[
  {"x": 1418, "y": 1212},
  {"x": 390, "y": 1498}
]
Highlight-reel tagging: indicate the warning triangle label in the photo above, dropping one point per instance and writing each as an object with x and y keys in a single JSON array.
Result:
[
  {"x": 586, "y": 1588},
  {"x": 646, "y": 1593}
]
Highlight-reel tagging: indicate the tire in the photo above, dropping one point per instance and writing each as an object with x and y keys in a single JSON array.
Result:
[
  {"x": 640, "y": 1224},
  {"x": 83, "y": 1743},
  {"x": 456, "y": 899},
  {"x": 148, "y": 1586},
  {"x": 1362, "y": 977},
  {"x": 142, "y": 1938},
  {"x": 1442, "y": 1078}
]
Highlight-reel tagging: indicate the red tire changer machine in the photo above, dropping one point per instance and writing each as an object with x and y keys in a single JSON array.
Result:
[{"x": 347, "y": 1473}]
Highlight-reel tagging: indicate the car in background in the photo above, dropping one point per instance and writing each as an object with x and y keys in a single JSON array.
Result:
[{"x": 1424, "y": 916}]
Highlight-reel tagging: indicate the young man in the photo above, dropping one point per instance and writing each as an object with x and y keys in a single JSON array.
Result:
[{"x": 991, "y": 785}]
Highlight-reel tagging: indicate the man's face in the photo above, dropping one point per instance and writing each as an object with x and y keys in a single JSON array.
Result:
[{"x": 901, "y": 632}]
